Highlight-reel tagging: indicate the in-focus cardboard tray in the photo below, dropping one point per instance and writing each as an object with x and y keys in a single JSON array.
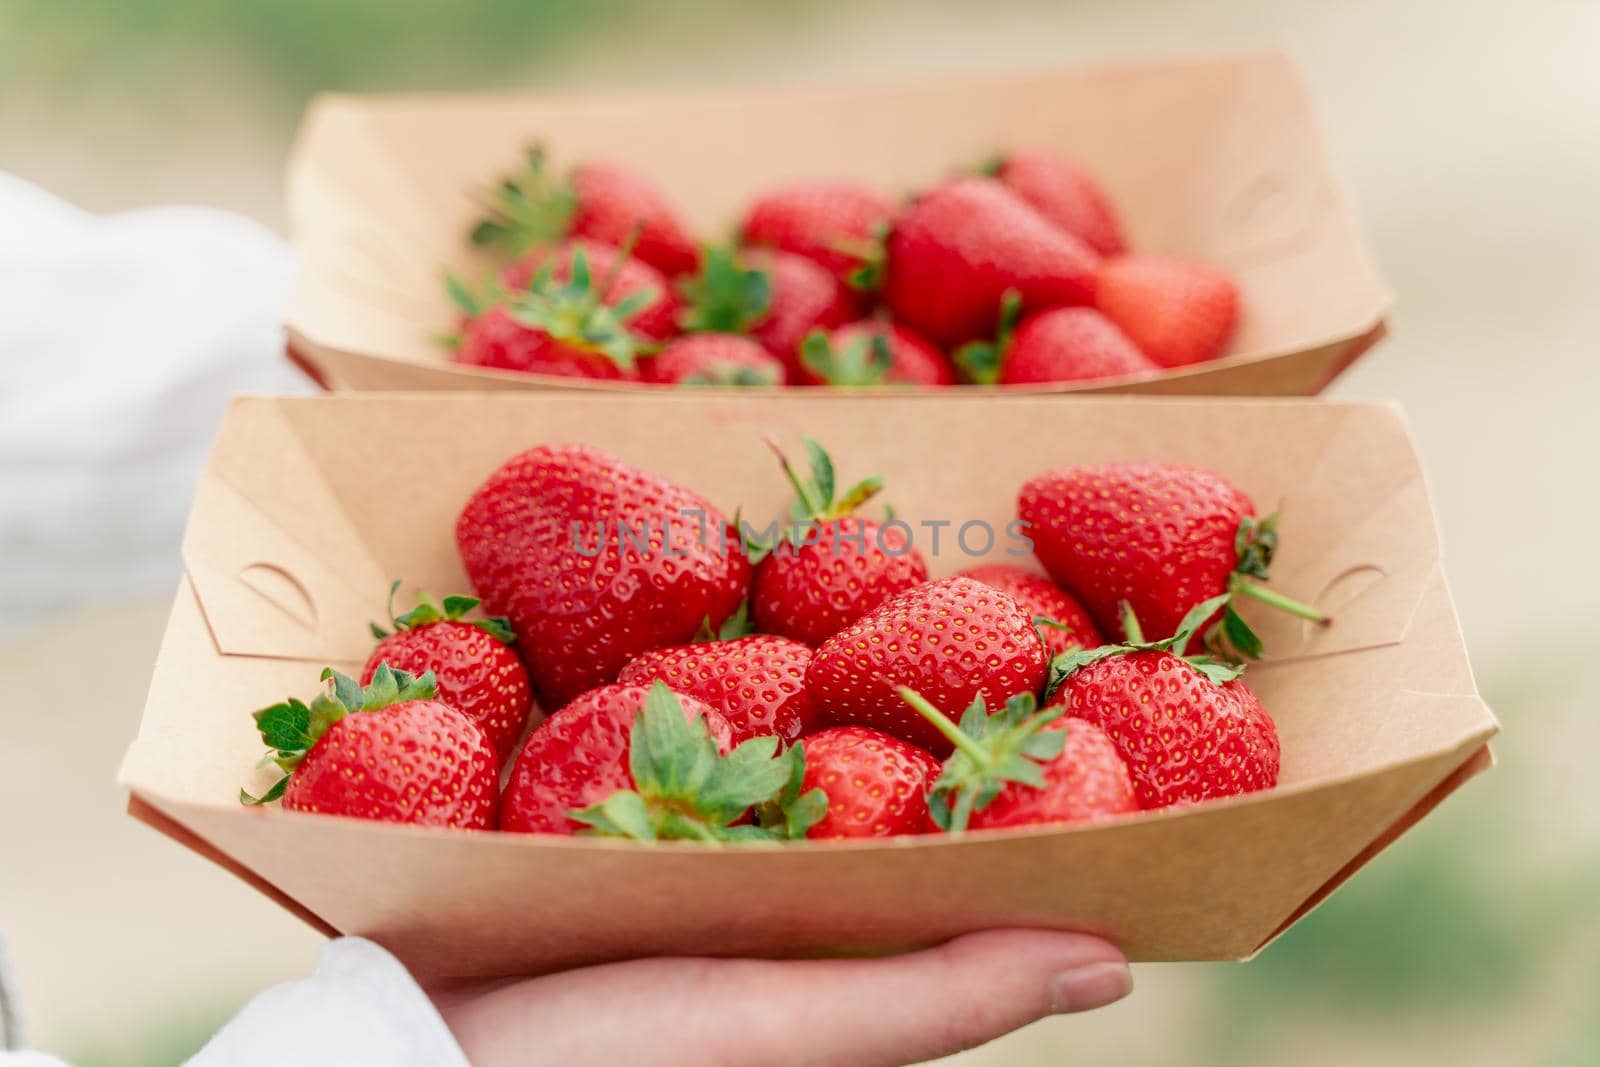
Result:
[
  {"x": 1219, "y": 158},
  {"x": 309, "y": 507}
]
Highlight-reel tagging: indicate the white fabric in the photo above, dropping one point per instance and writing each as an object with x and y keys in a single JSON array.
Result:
[
  {"x": 361, "y": 1007},
  {"x": 121, "y": 339}
]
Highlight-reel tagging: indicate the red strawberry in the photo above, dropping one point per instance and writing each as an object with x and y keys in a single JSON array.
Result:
[
  {"x": 580, "y": 756},
  {"x": 833, "y": 223},
  {"x": 775, "y": 297},
  {"x": 598, "y": 201},
  {"x": 876, "y": 785},
  {"x": 656, "y": 321},
  {"x": 389, "y": 752},
  {"x": 1176, "y": 311},
  {"x": 1023, "y": 767},
  {"x": 1160, "y": 536},
  {"x": 757, "y": 683},
  {"x": 953, "y": 254},
  {"x": 838, "y": 566},
  {"x": 594, "y": 562},
  {"x": 954, "y": 639},
  {"x": 870, "y": 352},
  {"x": 1189, "y": 730},
  {"x": 714, "y": 359},
  {"x": 555, "y": 327},
  {"x": 477, "y": 673},
  {"x": 1069, "y": 625},
  {"x": 1066, "y": 195},
  {"x": 1055, "y": 345}
]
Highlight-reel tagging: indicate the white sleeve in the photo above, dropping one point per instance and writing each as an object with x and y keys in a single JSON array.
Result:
[{"x": 361, "y": 1006}]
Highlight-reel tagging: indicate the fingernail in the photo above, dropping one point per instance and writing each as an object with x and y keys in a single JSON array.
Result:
[{"x": 1094, "y": 985}]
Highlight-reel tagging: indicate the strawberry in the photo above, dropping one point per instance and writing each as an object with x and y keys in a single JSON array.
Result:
[
  {"x": 775, "y": 297},
  {"x": 832, "y": 223},
  {"x": 952, "y": 255},
  {"x": 1203, "y": 736},
  {"x": 476, "y": 671},
  {"x": 1063, "y": 623},
  {"x": 598, "y": 201},
  {"x": 1160, "y": 536},
  {"x": 1023, "y": 767},
  {"x": 756, "y": 682},
  {"x": 594, "y": 562},
  {"x": 1054, "y": 345},
  {"x": 1176, "y": 311},
  {"x": 876, "y": 785},
  {"x": 388, "y": 751},
  {"x": 837, "y": 566},
  {"x": 555, "y": 327},
  {"x": 657, "y": 320},
  {"x": 1064, "y": 194},
  {"x": 714, "y": 359},
  {"x": 870, "y": 352},
  {"x": 954, "y": 639},
  {"x": 651, "y": 764}
]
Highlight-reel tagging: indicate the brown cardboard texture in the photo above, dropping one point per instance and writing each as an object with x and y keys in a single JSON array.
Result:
[
  {"x": 298, "y": 527},
  {"x": 1220, "y": 159}
]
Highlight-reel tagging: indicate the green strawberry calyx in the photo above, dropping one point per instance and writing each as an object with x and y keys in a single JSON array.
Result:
[
  {"x": 864, "y": 361},
  {"x": 871, "y": 255},
  {"x": 292, "y": 728},
  {"x": 814, "y": 495},
  {"x": 726, "y": 296},
  {"x": 726, "y": 375},
  {"x": 980, "y": 361},
  {"x": 453, "y": 609},
  {"x": 1217, "y": 671},
  {"x": 529, "y": 208},
  {"x": 735, "y": 626},
  {"x": 1255, "y": 543},
  {"x": 1010, "y": 745},
  {"x": 685, "y": 790},
  {"x": 575, "y": 311}
]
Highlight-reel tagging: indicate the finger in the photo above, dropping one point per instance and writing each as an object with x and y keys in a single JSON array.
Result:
[{"x": 846, "y": 1013}]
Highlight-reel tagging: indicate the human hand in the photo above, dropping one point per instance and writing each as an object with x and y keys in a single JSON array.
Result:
[{"x": 752, "y": 1013}]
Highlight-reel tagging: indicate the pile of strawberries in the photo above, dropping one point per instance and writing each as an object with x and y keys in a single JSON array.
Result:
[
  {"x": 1017, "y": 273},
  {"x": 715, "y": 683}
]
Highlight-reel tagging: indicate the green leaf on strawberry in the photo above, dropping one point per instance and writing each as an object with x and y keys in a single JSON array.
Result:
[
  {"x": 527, "y": 209},
  {"x": 814, "y": 496},
  {"x": 453, "y": 609},
  {"x": 725, "y": 296},
  {"x": 1063, "y": 666},
  {"x": 863, "y": 361},
  {"x": 685, "y": 790}
]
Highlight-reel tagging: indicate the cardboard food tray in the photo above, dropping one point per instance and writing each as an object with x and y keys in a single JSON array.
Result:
[
  {"x": 309, "y": 507},
  {"x": 1218, "y": 158}
]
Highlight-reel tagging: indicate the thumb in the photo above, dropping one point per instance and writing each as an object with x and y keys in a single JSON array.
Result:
[{"x": 844, "y": 1013}]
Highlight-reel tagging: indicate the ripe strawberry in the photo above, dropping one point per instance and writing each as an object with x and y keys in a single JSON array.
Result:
[
  {"x": 838, "y": 566},
  {"x": 598, "y": 201},
  {"x": 594, "y": 562},
  {"x": 1159, "y": 536},
  {"x": 555, "y": 327},
  {"x": 1069, "y": 625},
  {"x": 876, "y": 785},
  {"x": 1188, "y": 729},
  {"x": 870, "y": 352},
  {"x": 476, "y": 671},
  {"x": 756, "y": 682},
  {"x": 954, "y": 638},
  {"x": 389, "y": 752},
  {"x": 1054, "y": 345},
  {"x": 833, "y": 223},
  {"x": 1176, "y": 311},
  {"x": 713, "y": 359},
  {"x": 657, "y": 320},
  {"x": 1023, "y": 767},
  {"x": 1064, "y": 194},
  {"x": 953, "y": 254},
  {"x": 775, "y": 297}
]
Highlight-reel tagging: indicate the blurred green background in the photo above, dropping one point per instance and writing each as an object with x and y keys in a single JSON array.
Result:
[{"x": 1468, "y": 136}]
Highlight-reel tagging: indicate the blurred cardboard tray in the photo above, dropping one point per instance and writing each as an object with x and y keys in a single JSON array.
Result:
[
  {"x": 298, "y": 528},
  {"x": 1218, "y": 158}
]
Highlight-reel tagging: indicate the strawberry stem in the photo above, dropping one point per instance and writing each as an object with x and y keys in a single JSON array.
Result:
[
  {"x": 1278, "y": 600},
  {"x": 942, "y": 723}
]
